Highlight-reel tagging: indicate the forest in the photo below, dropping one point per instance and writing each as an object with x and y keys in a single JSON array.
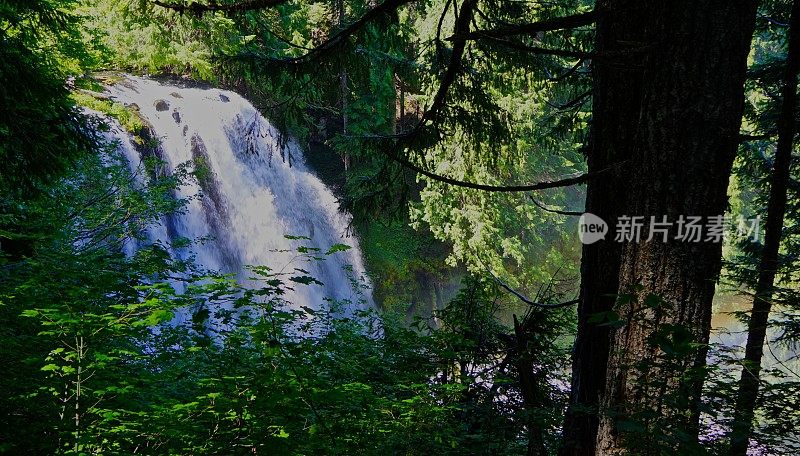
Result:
[{"x": 400, "y": 227}]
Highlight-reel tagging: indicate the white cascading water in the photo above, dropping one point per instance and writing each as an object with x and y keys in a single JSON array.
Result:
[{"x": 257, "y": 191}]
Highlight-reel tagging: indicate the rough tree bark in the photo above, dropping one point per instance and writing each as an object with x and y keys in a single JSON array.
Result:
[
  {"x": 668, "y": 100},
  {"x": 776, "y": 210},
  {"x": 615, "y": 106},
  {"x": 693, "y": 68}
]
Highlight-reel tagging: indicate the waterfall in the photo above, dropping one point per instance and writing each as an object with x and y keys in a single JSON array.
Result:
[{"x": 256, "y": 190}]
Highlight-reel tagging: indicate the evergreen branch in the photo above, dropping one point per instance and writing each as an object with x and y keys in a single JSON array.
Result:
[
  {"x": 339, "y": 38},
  {"x": 461, "y": 31},
  {"x": 279, "y": 37},
  {"x": 746, "y": 137},
  {"x": 516, "y": 45},
  {"x": 199, "y": 8},
  {"x": 454, "y": 66},
  {"x": 561, "y": 23},
  {"x": 576, "y": 102},
  {"x": 461, "y": 34},
  {"x": 566, "y": 74}
]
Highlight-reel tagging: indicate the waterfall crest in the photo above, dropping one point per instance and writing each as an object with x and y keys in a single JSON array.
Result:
[{"x": 256, "y": 190}]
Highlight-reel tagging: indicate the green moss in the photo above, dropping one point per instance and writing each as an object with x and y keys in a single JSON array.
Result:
[
  {"x": 397, "y": 256},
  {"x": 128, "y": 116},
  {"x": 107, "y": 78},
  {"x": 129, "y": 120}
]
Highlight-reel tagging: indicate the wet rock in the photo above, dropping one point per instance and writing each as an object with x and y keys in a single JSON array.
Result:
[
  {"x": 161, "y": 105},
  {"x": 208, "y": 182},
  {"x": 177, "y": 116},
  {"x": 128, "y": 84},
  {"x": 224, "y": 98}
]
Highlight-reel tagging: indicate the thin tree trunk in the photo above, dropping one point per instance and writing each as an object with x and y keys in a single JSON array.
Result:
[
  {"x": 343, "y": 88},
  {"x": 776, "y": 210},
  {"x": 668, "y": 100},
  {"x": 532, "y": 384}
]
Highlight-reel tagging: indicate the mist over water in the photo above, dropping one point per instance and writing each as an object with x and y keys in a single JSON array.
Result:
[{"x": 254, "y": 192}]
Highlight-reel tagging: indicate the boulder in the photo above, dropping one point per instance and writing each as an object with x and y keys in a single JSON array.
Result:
[{"x": 161, "y": 105}]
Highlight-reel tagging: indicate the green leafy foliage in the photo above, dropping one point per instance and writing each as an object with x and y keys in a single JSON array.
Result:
[
  {"x": 117, "y": 347},
  {"x": 753, "y": 170},
  {"x": 40, "y": 130}
]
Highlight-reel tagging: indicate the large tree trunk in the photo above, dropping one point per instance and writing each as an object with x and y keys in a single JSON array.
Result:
[
  {"x": 615, "y": 106},
  {"x": 776, "y": 210},
  {"x": 668, "y": 101},
  {"x": 693, "y": 71}
]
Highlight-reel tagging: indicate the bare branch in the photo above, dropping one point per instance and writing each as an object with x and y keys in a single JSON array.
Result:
[
  {"x": 527, "y": 300},
  {"x": 566, "y": 182},
  {"x": 555, "y": 211}
]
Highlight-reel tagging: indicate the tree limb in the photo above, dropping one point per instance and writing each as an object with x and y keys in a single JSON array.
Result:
[
  {"x": 527, "y": 300},
  {"x": 454, "y": 66},
  {"x": 575, "y": 102},
  {"x": 540, "y": 50},
  {"x": 561, "y": 23},
  {"x": 746, "y": 137},
  {"x": 555, "y": 211},
  {"x": 199, "y": 8},
  {"x": 566, "y": 182},
  {"x": 339, "y": 37}
]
